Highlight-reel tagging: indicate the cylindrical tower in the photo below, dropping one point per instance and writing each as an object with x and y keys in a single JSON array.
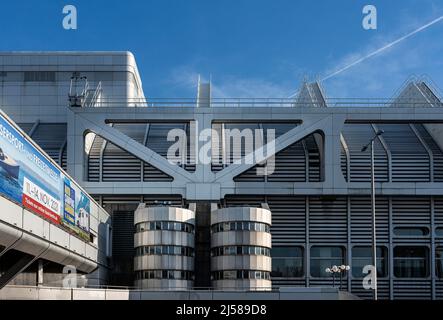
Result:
[
  {"x": 240, "y": 248},
  {"x": 164, "y": 247}
]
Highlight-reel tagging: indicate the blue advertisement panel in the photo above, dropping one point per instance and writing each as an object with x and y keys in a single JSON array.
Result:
[
  {"x": 77, "y": 208},
  {"x": 27, "y": 177},
  {"x": 30, "y": 179}
]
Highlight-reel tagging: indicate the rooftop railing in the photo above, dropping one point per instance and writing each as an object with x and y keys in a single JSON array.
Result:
[{"x": 259, "y": 102}]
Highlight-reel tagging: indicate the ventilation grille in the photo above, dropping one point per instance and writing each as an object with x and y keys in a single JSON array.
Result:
[
  {"x": 119, "y": 165},
  {"x": 437, "y": 154},
  {"x": 412, "y": 289},
  {"x": 410, "y": 160},
  {"x": 361, "y": 219},
  {"x": 356, "y": 136},
  {"x": 328, "y": 219},
  {"x": 288, "y": 219},
  {"x": 382, "y": 289}
]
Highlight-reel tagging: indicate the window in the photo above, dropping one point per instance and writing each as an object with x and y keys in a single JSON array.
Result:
[
  {"x": 362, "y": 256},
  {"x": 439, "y": 261},
  {"x": 287, "y": 262},
  {"x": 411, "y": 231},
  {"x": 439, "y": 232},
  {"x": 325, "y": 257},
  {"x": 411, "y": 262},
  {"x": 241, "y": 226}
]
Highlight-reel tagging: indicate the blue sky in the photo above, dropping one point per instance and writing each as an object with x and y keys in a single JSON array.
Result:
[{"x": 249, "y": 47}]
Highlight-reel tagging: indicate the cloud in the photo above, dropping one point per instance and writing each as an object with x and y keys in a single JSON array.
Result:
[{"x": 226, "y": 86}]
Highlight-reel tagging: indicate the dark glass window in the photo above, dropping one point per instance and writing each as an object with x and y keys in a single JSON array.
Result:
[
  {"x": 287, "y": 262},
  {"x": 362, "y": 256},
  {"x": 325, "y": 257},
  {"x": 439, "y": 261},
  {"x": 411, "y": 262},
  {"x": 411, "y": 231},
  {"x": 439, "y": 232}
]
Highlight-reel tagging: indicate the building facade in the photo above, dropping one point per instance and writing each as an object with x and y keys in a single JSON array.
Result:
[{"x": 315, "y": 180}]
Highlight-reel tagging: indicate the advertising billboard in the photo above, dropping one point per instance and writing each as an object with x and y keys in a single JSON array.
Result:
[{"x": 29, "y": 178}]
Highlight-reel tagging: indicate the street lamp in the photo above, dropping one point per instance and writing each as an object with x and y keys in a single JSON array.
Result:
[
  {"x": 374, "y": 236},
  {"x": 337, "y": 269}
]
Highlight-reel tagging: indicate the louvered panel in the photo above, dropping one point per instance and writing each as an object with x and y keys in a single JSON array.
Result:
[
  {"x": 244, "y": 201},
  {"x": 288, "y": 219},
  {"x": 439, "y": 289},
  {"x": 285, "y": 282},
  {"x": 328, "y": 219},
  {"x": 410, "y": 160},
  {"x": 361, "y": 219},
  {"x": 51, "y": 138},
  {"x": 411, "y": 210},
  {"x": 290, "y": 165},
  {"x": 135, "y": 131},
  {"x": 94, "y": 159},
  {"x": 437, "y": 154},
  {"x": 356, "y": 136},
  {"x": 314, "y": 161},
  {"x": 411, "y": 289},
  {"x": 382, "y": 289},
  {"x": 438, "y": 211},
  {"x": 119, "y": 165},
  {"x": 158, "y": 141},
  {"x": 123, "y": 235},
  {"x": 152, "y": 174}
]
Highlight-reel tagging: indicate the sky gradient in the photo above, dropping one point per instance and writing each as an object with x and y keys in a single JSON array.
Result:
[{"x": 260, "y": 48}]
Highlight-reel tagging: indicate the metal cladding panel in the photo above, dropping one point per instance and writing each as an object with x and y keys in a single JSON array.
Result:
[
  {"x": 118, "y": 165},
  {"x": 410, "y": 289},
  {"x": 288, "y": 219},
  {"x": 356, "y": 136},
  {"x": 437, "y": 154},
  {"x": 328, "y": 219},
  {"x": 382, "y": 289},
  {"x": 361, "y": 219},
  {"x": 411, "y": 211},
  {"x": 410, "y": 160}
]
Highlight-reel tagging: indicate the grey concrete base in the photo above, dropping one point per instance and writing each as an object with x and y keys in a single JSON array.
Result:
[{"x": 289, "y": 293}]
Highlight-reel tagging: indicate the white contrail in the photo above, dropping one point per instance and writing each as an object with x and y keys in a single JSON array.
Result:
[{"x": 389, "y": 45}]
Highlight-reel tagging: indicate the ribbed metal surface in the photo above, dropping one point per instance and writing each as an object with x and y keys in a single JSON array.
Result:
[
  {"x": 329, "y": 222},
  {"x": 361, "y": 219},
  {"x": 356, "y": 136},
  {"x": 328, "y": 219},
  {"x": 288, "y": 220},
  {"x": 382, "y": 289},
  {"x": 117, "y": 165},
  {"x": 410, "y": 160},
  {"x": 437, "y": 154},
  {"x": 155, "y": 137},
  {"x": 412, "y": 289}
]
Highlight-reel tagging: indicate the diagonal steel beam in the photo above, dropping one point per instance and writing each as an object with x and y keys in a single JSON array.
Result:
[
  {"x": 310, "y": 125},
  {"x": 137, "y": 149}
]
